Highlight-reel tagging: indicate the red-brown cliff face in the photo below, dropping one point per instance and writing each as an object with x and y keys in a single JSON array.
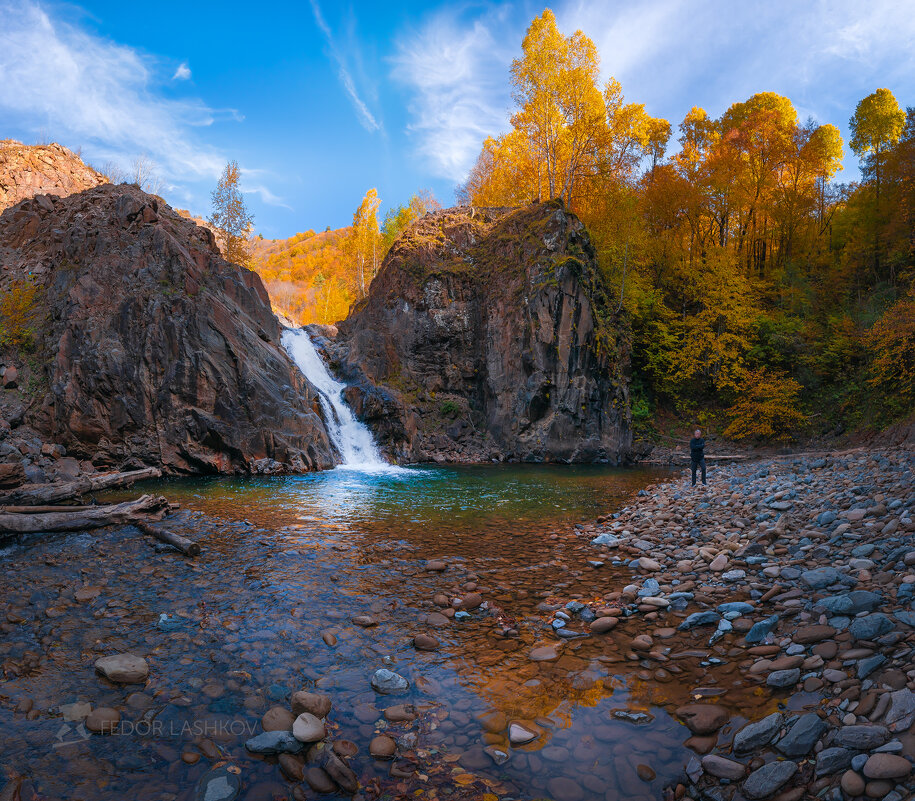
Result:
[
  {"x": 489, "y": 334},
  {"x": 150, "y": 347},
  {"x": 29, "y": 170}
]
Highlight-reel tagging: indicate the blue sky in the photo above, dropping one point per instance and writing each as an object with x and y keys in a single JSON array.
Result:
[{"x": 319, "y": 100}]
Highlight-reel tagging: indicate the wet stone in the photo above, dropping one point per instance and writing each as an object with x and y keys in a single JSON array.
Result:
[
  {"x": 565, "y": 788},
  {"x": 862, "y": 738},
  {"x": 382, "y": 747},
  {"x": 308, "y": 729},
  {"x": 277, "y": 718},
  {"x": 603, "y": 625},
  {"x": 400, "y": 713},
  {"x": 317, "y": 704},
  {"x": 319, "y": 781},
  {"x": 292, "y": 766},
  {"x": 498, "y": 755},
  {"x": 820, "y": 577},
  {"x": 802, "y": 735},
  {"x": 103, "y": 720},
  {"x": 852, "y": 783},
  {"x": 707, "y": 618},
  {"x": 220, "y": 784},
  {"x": 761, "y": 629},
  {"x": 703, "y": 718},
  {"x": 519, "y": 735},
  {"x": 887, "y": 766},
  {"x": 544, "y": 653},
  {"x": 832, "y": 760},
  {"x": 782, "y": 679},
  {"x": 274, "y": 742},
  {"x": 723, "y": 768},
  {"x": 123, "y": 668},
  {"x": 766, "y": 780},
  {"x": 811, "y": 634},
  {"x": 387, "y": 682},
  {"x": 426, "y": 642}
]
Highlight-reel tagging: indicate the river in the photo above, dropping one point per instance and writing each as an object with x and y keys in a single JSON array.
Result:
[{"x": 287, "y": 563}]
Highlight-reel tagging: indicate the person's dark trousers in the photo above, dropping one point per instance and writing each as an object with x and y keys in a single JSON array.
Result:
[{"x": 696, "y": 465}]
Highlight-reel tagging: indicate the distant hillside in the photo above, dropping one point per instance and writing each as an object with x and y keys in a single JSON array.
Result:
[
  {"x": 29, "y": 170},
  {"x": 315, "y": 278},
  {"x": 309, "y": 276}
]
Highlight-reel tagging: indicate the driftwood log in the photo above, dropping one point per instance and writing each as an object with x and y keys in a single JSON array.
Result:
[
  {"x": 30, "y": 510},
  {"x": 38, "y": 494},
  {"x": 183, "y": 544},
  {"x": 93, "y": 517}
]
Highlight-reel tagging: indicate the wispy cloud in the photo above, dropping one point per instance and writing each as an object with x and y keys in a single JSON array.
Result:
[
  {"x": 252, "y": 183},
  {"x": 668, "y": 54},
  {"x": 97, "y": 94},
  {"x": 823, "y": 55},
  {"x": 366, "y": 118},
  {"x": 457, "y": 72},
  {"x": 183, "y": 73}
]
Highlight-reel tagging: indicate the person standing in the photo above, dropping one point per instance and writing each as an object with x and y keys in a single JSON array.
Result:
[{"x": 697, "y": 454}]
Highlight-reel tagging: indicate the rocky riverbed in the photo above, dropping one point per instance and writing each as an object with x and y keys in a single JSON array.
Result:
[
  {"x": 748, "y": 640},
  {"x": 803, "y": 572}
]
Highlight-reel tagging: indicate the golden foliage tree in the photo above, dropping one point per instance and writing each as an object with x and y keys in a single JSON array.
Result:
[
  {"x": 892, "y": 345},
  {"x": 767, "y": 409},
  {"x": 20, "y": 305},
  {"x": 231, "y": 218},
  {"x": 365, "y": 243},
  {"x": 397, "y": 220}
]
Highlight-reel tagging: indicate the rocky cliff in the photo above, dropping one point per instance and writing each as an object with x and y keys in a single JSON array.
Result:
[
  {"x": 144, "y": 344},
  {"x": 28, "y": 170},
  {"x": 490, "y": 334}
]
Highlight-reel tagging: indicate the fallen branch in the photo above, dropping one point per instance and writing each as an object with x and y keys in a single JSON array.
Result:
[
  {"x": 34, "y": 494},
  {"x": 30, "y": 510},
  {"x": 183, "y": 544},
  {"x": 94, "y": 517}
]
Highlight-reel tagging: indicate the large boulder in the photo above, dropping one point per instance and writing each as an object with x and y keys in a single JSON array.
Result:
[
  {"x": 490, "y": 333},
  {"x": 154, "y": 348}
]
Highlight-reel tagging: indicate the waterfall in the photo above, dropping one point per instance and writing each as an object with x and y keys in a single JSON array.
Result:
[{"x": 352, "y": 438}]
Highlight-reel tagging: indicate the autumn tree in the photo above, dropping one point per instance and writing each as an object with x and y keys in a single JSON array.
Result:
[
  {"x": 365, "y": 241},
  {"x": 397, "y": 220},
  {"x": 231, "y": 218},
  {"x": 875, "y": 127},
  {"x": 767, "y": 409}
]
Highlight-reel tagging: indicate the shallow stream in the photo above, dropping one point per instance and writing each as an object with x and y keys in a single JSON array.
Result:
[{"x": 287, "y": 563}]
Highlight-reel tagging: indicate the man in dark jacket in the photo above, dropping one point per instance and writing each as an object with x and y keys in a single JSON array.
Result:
[{"x": 697, "y": 454}]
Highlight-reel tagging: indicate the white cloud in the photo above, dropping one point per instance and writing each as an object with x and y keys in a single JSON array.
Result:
[
  {"x": 97, "y": 94},
  {"x": 716, "y": 53},
  {"x": 183, "y": 73},
  {"x": 366, "y": 118},
  {"x": 252, "y": 183},
  {"x": 668, "y": 54},
  {"x": 457, "y": 72}
]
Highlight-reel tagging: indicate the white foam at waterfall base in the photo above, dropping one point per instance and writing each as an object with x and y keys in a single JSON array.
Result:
[{"x": 352, "y": 439}]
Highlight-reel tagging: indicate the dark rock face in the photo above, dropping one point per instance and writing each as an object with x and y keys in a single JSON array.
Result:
[
  {"x": 490, "y": 334},
  {"x": 154, "y": 349}
]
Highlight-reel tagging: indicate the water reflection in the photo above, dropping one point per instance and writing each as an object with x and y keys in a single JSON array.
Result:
[{"x": 268, "y": 608}]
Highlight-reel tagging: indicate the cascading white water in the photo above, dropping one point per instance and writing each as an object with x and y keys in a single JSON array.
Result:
[{"x": 352, "y": 438}]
